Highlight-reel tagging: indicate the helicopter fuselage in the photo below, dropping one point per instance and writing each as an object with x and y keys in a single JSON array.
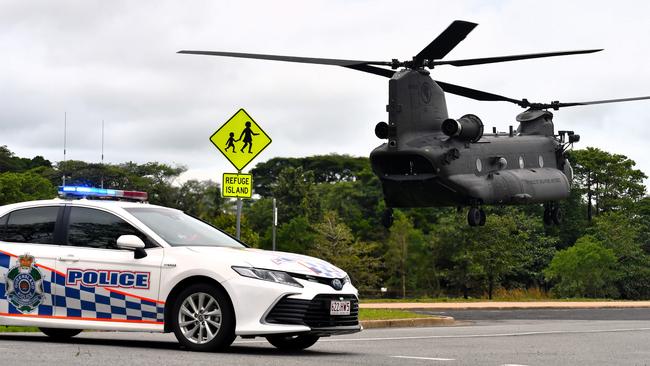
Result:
[{"x": 420, "y": 166}]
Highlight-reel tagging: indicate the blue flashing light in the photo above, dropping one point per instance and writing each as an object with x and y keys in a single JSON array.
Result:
[{"x": 78, "y": 191}]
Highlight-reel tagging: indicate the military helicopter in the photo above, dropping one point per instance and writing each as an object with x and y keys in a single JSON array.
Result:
[{"x": 431, "y": 160}]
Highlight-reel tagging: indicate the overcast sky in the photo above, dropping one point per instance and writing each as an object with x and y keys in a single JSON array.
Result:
[{"x": 116, "y": 61}]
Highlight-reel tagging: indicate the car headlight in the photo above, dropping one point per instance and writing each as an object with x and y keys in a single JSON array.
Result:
[{"x": 267, "y": 275}]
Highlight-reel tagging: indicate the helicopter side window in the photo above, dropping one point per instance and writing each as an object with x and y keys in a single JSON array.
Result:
[
  {"x": 521, "y": 162},
  {"x": 541, "y": 161},
  {"x": 479, "y": 165}
]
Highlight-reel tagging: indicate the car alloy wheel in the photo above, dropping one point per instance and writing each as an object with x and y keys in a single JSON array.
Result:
[
  {"x": 199, "y": 318},
  {"x": 203, "y": 318}
]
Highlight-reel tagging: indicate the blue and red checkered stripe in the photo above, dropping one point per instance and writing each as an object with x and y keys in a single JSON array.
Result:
[{"x": 83, "y": 303}]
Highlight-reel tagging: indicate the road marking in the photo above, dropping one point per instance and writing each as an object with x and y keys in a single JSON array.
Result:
[
  {"x": 425, "y": 358},
  {"x": 512, "y": 364},
  {"x": 347, "y": 340}
]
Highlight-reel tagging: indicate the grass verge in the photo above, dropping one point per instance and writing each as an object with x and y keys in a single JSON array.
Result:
[
  {"x": 385, "y": 314},
  {"x": 13, "y": 329}
]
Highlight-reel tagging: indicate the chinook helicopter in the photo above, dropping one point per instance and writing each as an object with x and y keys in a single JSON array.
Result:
[{"x": 431, "y": 160}]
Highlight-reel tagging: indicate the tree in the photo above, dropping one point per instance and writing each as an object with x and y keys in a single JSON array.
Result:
[
  {"x": 331, "y": 168},
  {"x": 621, "y": 232},
  {"x": 228, "y": 223},
  {"x": 200, "y": 198},
  {"x": 587, "y": 269},
  {"x": 295, "y": 236},
  {"x": 19, "y": 187},
  {"x": 335, "y": 243},
  {"x": 609, "y": 181},
  {"x": 11, "y": 163},
  {"x": 295, "y": 195},
  {"x": 402, "y": 236}
]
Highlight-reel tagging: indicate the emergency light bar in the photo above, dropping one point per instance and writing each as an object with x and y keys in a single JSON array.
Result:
[{"x": 81, "y": 192}]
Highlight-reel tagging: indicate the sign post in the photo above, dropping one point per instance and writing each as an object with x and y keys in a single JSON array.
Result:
[{"x": 240, "y": 140}]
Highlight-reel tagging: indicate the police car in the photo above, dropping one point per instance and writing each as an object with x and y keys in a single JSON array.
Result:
[{"x": 105, "y": 262}]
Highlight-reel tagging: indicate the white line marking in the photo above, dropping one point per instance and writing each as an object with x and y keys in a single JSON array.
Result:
[
  {"x": 512, "y": 364},
  {"x": 425, "y": 358},
  {"x": 476, "y": 335}
]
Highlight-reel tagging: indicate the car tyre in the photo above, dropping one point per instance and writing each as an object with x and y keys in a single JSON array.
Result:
[
  {"x": 203, "y": 318},
  {"x": 292, "y": 342},
  {"x": 60, "y": 333}
]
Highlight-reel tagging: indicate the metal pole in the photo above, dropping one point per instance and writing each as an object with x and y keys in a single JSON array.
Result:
[
  {"x": 275, "y": 221},
  {"x": 102, "y": 164},
  {"x": 65, "y": 133},
  {"x": 239, "y": 206}
]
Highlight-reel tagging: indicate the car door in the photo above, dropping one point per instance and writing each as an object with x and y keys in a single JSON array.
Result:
[
  {"x": 28, "y": 252},
  {"x": 102, "y": 282}
]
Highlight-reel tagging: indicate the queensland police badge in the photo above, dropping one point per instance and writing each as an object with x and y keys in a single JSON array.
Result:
[{"x": 24, "y": 284}]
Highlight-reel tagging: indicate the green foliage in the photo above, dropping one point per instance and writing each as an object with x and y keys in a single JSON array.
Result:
[
  {"x": 330, "y": 206},
  {"x": 19, "y": 187},
  {"x": 228, "y": 223},
  {"x": 326, "y": 169},
  {"x": 11, "y": 163},
  {"x": 295, "y": 236},
  {"x": 200, "y": 198},
  {"x": 402, "y": 238},
  {"x": 609, "y": 181},
  {"x": 295, "y": 194},
  {"x": 335, "y": 243},
  {"x": 587, "y": 269}
]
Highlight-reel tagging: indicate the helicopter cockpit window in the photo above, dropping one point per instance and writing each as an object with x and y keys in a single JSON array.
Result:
[
  {"x": 521, "y": 162},
  {"x": 479, "y": 165},
  {"x": 541, "y": 161}
]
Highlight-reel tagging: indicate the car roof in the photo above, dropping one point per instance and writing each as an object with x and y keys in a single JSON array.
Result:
[{"x": 107, "y": 204}]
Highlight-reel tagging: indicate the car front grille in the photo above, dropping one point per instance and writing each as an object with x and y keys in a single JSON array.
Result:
[{"x": 314, "y": 313}]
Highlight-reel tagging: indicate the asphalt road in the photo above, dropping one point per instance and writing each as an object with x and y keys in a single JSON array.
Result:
[{"x": 506, "y": 338}]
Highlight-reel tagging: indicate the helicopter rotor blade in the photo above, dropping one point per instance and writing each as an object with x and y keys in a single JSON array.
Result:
[
  {"x": 475, "y": 94},
  {"x": 305, "y": 60},
  {"x": 489, "y": 60},
  {"x": 372, "y": 69},
  {"x": 445, "y": 42},
  {"x": 557, "y": 105}
]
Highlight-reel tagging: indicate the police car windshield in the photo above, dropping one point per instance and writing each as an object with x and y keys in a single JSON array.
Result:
[{"x": 179, "y": 229}]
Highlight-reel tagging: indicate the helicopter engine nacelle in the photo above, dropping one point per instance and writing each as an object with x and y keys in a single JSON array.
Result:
[{"x": 467, "y": 128}]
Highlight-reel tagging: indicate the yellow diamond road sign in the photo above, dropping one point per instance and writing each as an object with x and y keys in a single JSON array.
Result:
[{"x": 240, "y": 139}]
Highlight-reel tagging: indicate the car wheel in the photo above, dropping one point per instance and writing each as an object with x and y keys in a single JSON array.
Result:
[
  {"x": 292, "y": 342},
  {"x": 59, "y": 333},
  {"x": 203, "y": 319}
]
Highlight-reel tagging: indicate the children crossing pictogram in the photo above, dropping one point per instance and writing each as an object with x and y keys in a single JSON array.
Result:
[{"x": 250, "y": 142}]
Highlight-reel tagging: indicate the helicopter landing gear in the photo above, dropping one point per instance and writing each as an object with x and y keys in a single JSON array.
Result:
[
  {"x": 387, "y": 218},
  {"x": 553, "y": 214},
  {"x": 476, "y": 217}
]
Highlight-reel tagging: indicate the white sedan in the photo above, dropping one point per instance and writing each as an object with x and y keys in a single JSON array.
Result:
[{"x": 73, "y": 264}]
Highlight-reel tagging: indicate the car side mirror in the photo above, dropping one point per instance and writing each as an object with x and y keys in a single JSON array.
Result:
[{"x": 132, "y": 242}]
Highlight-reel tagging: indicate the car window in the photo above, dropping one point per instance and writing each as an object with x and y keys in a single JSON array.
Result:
[
  {"x": 179, "y": 229},
  {"x": 31, "y": 225},
  {"x": 93, "y": 228},
  {"x": 3, "y": 223}
]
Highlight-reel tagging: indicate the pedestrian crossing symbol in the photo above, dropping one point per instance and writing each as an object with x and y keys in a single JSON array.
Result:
[{"x": 240, "y": 139}]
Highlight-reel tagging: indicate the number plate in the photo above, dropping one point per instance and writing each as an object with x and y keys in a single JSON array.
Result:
[{"x": 340, "y": 308}]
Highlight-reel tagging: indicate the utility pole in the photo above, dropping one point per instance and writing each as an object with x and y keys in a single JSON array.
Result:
[{"x": 275, "y": 221}]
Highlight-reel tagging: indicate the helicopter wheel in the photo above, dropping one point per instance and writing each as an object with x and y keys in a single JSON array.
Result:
[
  {"x": 387, "y": 218},
  {"x": 548, "y": 215},
  {"x": 474, "y": 216},
  {"x": 557, "y": 215},
  {"x": 481, "y": 222}
]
